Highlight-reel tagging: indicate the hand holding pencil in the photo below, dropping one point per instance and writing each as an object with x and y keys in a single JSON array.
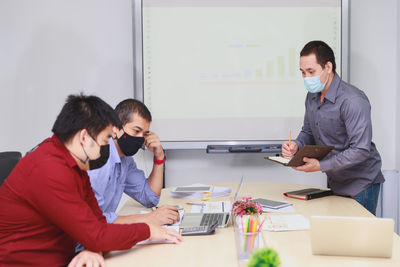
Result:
[{"x": 289, "y": 148}]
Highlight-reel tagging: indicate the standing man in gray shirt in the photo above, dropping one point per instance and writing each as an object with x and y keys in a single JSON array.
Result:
[{"x": 339, "y": 115}]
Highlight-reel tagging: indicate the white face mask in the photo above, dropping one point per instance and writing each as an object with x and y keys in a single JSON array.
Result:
[{"x": 313, "y": 84}]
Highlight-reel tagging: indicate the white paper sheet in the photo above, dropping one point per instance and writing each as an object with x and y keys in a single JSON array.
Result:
[
  {"x": 217, "y": 192},
  {"x": 289, "y": 222},
  {"x": 212, "y": 207}
]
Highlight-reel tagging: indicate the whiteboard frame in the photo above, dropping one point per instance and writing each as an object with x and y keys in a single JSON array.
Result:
[{"x": 138, "y": 74}]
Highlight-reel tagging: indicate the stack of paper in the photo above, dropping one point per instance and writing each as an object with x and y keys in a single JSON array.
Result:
[
  {"x": 212, "y": 207},
  {"x": 292, "y": 222},
  {"x": 217, "y": 192}
]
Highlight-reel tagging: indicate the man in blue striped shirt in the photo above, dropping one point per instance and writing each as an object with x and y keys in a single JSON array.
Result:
[
  {"x": 121, "y": 175},
  {"x": 339, "y": 115}
]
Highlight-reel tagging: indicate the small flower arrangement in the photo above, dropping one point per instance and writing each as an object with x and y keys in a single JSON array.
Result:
[{"x": 246, "y": 206}]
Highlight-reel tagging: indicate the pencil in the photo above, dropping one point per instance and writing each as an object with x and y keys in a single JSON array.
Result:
[
  {"x": 290, "y": 140},
  {"x": 260, "y": 226}
]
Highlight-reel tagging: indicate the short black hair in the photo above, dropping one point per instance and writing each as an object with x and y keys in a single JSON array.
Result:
[
  {"x": 129, "y": 106},
  {"x": 322, "y": 52},
  {"x": 84, "y": 112}
]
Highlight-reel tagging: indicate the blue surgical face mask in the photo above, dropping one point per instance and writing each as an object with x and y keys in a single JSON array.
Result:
[{"x": 313, "y": 84}]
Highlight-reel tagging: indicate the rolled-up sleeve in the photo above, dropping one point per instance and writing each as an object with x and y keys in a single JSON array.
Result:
[
  {"x": 356, "y": 114},
  {"x": 137, "y": 186}
]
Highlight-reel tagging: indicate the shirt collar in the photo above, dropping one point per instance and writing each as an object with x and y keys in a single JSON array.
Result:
[
  {"x": 61, "y": 147},
  {"x": 114, "y": 156},
  {"x": 333, "y": 88}
]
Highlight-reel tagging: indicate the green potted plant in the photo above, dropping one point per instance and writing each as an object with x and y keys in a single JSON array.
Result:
[{"x": 266, "y": 257}]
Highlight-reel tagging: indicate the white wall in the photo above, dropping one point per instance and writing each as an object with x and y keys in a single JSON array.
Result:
[
  {"x": 373, "y": 68},
  {"x": 52, "y": 48}
]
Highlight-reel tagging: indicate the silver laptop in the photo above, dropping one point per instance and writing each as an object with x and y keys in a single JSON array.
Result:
[
  {"x": 352, "y": 236},
  {"x": 207, "y": 219}
]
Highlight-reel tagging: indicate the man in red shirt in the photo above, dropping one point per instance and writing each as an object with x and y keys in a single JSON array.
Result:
[{"x": 47, "y": 204}]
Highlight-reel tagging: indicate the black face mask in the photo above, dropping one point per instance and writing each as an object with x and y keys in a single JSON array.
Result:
[
  {"x": 100, "y": 161},
  {"x": 130, "y": 145}
]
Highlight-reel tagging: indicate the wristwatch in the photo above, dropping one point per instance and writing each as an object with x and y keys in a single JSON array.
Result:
[{"x": 159, "y": 162}]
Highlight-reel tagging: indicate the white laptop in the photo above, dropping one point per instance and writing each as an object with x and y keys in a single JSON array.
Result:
[
  {"x": 352, "y": 236},
  {"x": 207, "y": 219}
]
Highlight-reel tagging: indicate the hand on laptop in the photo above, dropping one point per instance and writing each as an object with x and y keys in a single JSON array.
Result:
[
  {"x": 160, "y": 233},
  {"x": 163, "y": 215}
]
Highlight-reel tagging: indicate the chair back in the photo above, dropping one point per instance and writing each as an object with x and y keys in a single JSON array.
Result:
[{"x": 7, "y": 162}]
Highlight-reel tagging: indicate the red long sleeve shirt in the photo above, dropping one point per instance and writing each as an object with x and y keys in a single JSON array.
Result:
[{"x": 47, "y": 205}]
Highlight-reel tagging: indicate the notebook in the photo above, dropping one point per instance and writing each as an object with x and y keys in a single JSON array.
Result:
[
  {"x": 352, "y": 236},
  {"x": 309, "y": 151},
  {"x": 207, "y": 219},
  {"x": 308, "y": 193}
]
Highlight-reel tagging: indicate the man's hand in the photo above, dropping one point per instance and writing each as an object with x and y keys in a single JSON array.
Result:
[
  {"x": 88, "y": 258},
  {"x": 312, "y": 165},
  {"x": 288, "y": 152},
  {"x": 153, "y": 143},
  {"x": 158, "y": 233},
  {"x": 163, "y": 215}
]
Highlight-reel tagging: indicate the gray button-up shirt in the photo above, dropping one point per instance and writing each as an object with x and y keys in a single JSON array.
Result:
[{"x": 343, "y": 120}]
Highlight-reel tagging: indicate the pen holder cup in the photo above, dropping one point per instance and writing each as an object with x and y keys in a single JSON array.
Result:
[
  {"x": 247, "y": 242},
  {"x": 240, "y": 222}
]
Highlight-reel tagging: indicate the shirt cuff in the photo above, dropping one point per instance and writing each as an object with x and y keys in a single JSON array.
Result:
[
  {"x": 143, "y": 231},
  {"x": 325, "y": 165},
  {"x": 151, "y": 198},
  {"x": 299, "y": 144}
]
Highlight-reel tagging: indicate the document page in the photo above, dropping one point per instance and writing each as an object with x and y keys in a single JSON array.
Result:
[
  {"x": 291, "y": 222},
  {"x": 280, "y": 159},
  {"x": 212, "y": 207}
]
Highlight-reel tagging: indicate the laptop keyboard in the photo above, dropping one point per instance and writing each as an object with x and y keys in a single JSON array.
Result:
[{"x": 209, "y": 218}]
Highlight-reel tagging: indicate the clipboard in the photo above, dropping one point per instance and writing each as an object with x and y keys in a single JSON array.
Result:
[{"x": 309, "y": 151}]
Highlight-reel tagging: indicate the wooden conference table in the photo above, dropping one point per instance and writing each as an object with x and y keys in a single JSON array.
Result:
[{"x": 294, "y": 248}]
